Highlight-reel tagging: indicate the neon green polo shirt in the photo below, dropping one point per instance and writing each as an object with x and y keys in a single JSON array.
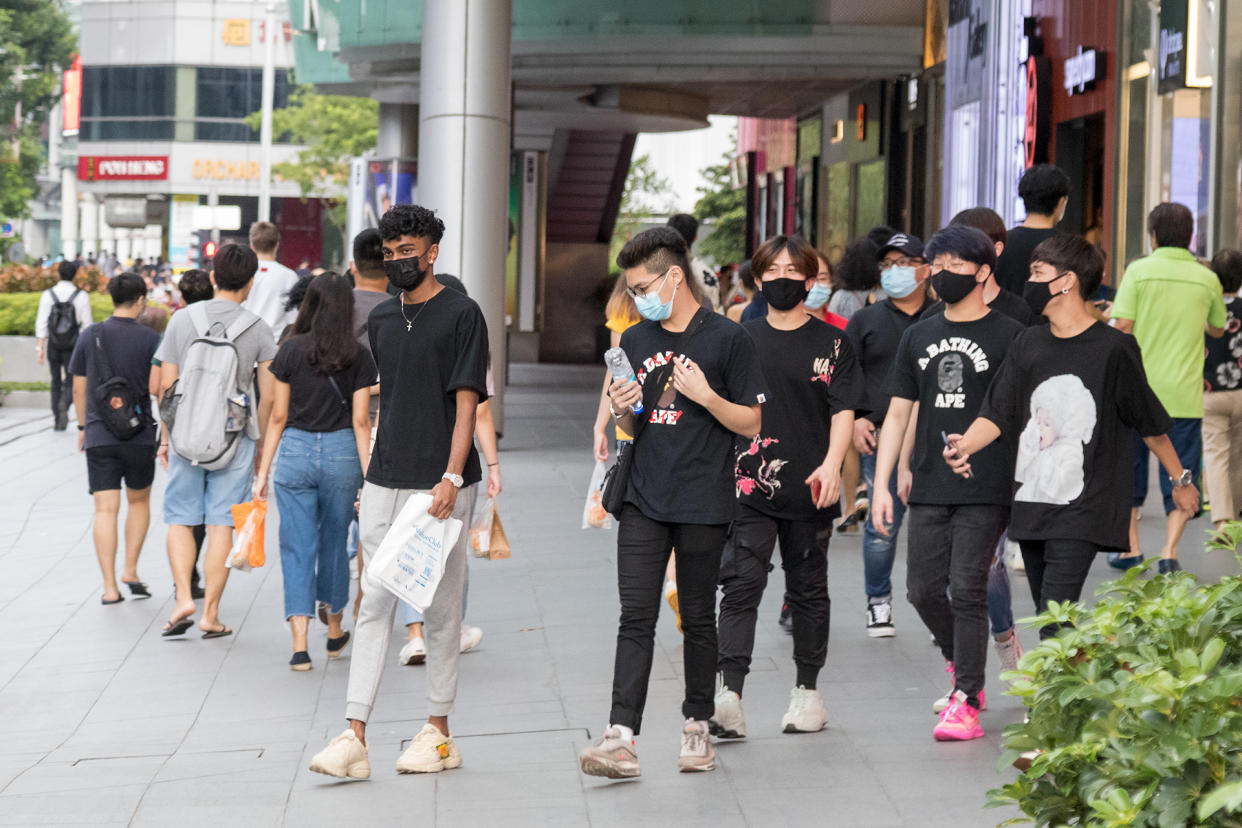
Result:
[{"x": 1170, "y": 297}]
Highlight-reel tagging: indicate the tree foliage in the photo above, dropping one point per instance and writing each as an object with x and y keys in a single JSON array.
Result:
[
  {"x": 36, "y": 44},
  {"x": 646, "y": 193},
  {"x": 334, "y": 128},
  {"x": 725, "y": 207}
]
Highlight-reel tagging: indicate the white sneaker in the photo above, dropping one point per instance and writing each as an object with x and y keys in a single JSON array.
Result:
[
  {"x": 940, "y": 704},
  {"x": 414, "y": 652},
  {"x": 1013, "y": 557},
  {"x": 697, "y": 753},
  {"x": 470, "y": 638},
  {"x": 345, "y": 757},
  {"x": 806, "y": 712},
  {"x": 1009, "y": 651},
  {"x": 430, "y": 752},
  {"x": 611, "y": 757},
  {"x": 728, "y": 722},
  {"x": 880, "y": 620}
]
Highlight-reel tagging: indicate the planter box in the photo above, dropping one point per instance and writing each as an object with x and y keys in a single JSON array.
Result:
[
  {"x": 30, "y": 399},
  {"x": 18, "y": 362}
]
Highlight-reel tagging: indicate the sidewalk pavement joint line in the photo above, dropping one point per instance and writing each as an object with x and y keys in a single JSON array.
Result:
[
  {"x": 77, "y": 762},
  {"x": 33, "y": 506}
]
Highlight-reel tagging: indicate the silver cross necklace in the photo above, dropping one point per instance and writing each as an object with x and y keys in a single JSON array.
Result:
[{"x": 409, "y": 323}]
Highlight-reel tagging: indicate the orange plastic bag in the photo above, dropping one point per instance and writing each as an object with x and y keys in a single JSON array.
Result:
[{"x": 250, "y": 519}]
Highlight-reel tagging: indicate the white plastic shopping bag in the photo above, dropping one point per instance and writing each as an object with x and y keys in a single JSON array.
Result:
[
  {"x": 594, "y": 515},
  {"x": 410, "y": 560},
  {"x": 481, "y": 528}
]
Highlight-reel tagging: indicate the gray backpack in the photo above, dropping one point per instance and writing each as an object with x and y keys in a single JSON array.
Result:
[{"x": 206, "y": 413}]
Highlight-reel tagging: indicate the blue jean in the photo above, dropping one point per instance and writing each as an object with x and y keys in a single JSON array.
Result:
[
  {"x": 1000, "y": 600},
  {"x": 879, "y": 551},
  {"x": 1186, "y": 434},
  {"x": 316, "y": 481},
  {"x": 194, "y": 496}
]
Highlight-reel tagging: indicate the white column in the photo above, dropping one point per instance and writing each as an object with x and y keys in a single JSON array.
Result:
[
  {"x": 265, "y": 123},
  {"x": 89, "y": 225},
  {"x": 69, "y": 212},
  {"x": 463, "y": 151}
]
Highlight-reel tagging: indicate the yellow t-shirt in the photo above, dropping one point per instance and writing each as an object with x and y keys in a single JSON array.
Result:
[{"x": 620, "y": 324}]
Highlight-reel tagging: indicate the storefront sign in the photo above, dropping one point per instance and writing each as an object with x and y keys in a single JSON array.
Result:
[
  {"x": 1038, "y": 110},
  {"x": 71, "y": 102},
  {"x": 1083, "y": 70},
  {"x": 203, "y": 168},
  {"x": 122, "y": 167},
  {"x": 236, "y": 33},
  {"x": 1171, "y": 59},
  {"x": 860, "y": 121}
]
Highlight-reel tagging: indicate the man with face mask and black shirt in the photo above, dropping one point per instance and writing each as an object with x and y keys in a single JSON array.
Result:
[
  {"x": 788, "y": 481},
  {"x": 944, "y": 364},
  {"x": 430, "y": 344},
  {"x": 1044, "y": 190},
  {"x": 874, "y": 332}
]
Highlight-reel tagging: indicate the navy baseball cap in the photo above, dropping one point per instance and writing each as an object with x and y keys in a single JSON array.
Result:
[{"x": 910, "y": 245}]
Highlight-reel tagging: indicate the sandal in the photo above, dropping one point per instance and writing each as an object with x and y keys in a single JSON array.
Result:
[
  {"x": 137, "y": 589},
  {"x": 106, "y": 601},
  {"x": 178, "y": 627},
  {"x": 220, "y": 633}
]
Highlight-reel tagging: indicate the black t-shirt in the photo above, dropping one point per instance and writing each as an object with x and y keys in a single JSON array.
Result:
[
  {"x": 1073, "y": 405},
  {"x": 812, "y": 374},
  {"x": 1010, "y": 304},
  {"x": 946, "y": 367},
  {"x": 875, "y": 332},
  {"x": 1013, "y": 268},
  {"x": 1222, "y": 364},
  {"x": 314, "y": 404},
  {"x": 130, "y": 348},
  {"x": 683, "y": 456},
  {"x": 422, "y": 363}
]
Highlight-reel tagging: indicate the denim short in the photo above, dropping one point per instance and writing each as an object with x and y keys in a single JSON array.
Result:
[{"x": 194, "y": 495}]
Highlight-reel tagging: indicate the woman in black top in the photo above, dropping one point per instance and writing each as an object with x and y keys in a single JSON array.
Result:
[{"x": 322, "y": 424}]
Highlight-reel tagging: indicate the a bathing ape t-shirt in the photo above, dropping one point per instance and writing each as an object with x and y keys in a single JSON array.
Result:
[{"x": 946, "y": 367}]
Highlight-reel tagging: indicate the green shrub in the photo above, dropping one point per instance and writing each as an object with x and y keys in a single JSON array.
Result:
[
  {"x": 18, "y": 311},
  {"x": 1134, "y": 708}
]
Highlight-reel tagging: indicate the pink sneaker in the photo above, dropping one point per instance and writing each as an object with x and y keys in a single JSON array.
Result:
[
  {"x": 959, "y": 722},
  {"x": 940, "y": 704}
]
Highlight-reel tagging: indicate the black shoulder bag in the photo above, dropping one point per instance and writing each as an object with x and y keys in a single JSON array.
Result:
[
  {"x": 123, "y": 410},
  {"x": 617, "y": 479}
]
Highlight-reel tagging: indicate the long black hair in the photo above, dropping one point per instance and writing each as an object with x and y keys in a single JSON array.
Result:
[{"x": 327, "y": 314}]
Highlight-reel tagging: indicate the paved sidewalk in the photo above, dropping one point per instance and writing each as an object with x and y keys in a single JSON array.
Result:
[{"x": 106, "y": 723}]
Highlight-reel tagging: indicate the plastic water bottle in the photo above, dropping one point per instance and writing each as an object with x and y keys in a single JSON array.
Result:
[{"x": 619, "y": 366}]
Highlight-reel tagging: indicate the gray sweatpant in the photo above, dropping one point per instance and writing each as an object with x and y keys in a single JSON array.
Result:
[{"x": 442, "y": 628}]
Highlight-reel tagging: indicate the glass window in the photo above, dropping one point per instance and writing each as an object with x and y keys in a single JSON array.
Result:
[
  {"x": 870, "y": 197},
  {"x": 129, "y": 91},
  {"x": 231, "y": 94},
  {"x": 127, "y": 129}
]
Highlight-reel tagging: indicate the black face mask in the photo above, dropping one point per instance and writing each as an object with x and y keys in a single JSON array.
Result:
[
  {"x": 784, "y": 294},
  {"x": 405, "y": 274},
  {"x": 952, "y": 287},
  {"x": 1039, "y": 294}
]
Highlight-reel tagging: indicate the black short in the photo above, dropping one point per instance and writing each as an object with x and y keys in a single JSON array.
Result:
[{"x": 107, "y": 465}]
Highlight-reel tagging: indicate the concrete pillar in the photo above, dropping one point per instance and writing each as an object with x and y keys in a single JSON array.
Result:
[
  {"x": 398, "y": 131},
  {"x": 69, "y": 212},
  {"x": 463, "y": 152},
  {"x": 89, "y": 225}
]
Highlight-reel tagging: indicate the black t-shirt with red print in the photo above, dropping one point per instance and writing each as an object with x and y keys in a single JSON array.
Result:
[
  {"x": 683, "y": 457},
  {"x": 812, "y": 374}
]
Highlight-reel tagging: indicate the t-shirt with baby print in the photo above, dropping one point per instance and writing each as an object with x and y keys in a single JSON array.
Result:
[
  {"x": 1072, "y": 404},
  {"x": 813, "y": 376},
  {"x": 683, "y": 457},
  {"x": 946, "y": 367}
]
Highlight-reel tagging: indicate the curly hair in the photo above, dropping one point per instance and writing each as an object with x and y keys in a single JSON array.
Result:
[
  {"x": 411, "y": 220},
  {"x": 857, "y": 268}
]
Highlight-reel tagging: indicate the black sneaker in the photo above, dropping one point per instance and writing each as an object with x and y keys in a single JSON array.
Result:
[
  {"x": 880, "y": 620},
  {"x": 786, "y": 619},
  {"x": 300, "y": 662},
  {"x": 1168, "y": 565}
]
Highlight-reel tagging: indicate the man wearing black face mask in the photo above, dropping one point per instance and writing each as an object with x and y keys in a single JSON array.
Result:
[
  {"x": 788, "y": 480},
  {"x": 431, "y": 348},
  {"x": 945, "y": 364}
]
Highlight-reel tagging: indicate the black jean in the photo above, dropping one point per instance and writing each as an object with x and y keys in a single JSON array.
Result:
[
  {"x": 62, "y": 380},
  {"x": 950, "y": 552},
  {"x": 643, "y": 547},
  {"x": 744, "y": 571},
  {"x": 1056, "y": 570}
]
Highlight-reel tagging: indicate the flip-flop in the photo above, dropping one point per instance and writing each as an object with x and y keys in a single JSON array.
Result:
[
  {"x": 138, "y": 589},
  {"x": 105, "y": 601},
  {"x": 220, "y": 633},
  {"x": 178, "y": 627}
]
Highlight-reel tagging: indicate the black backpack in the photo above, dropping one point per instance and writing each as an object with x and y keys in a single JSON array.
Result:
[
  {"x": 62, "y": 322},
  {"x": 123, "y": 410}
]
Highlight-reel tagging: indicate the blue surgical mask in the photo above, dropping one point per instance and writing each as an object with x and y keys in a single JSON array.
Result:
[
  {"x": 650, "y": 306},
  {"x": 818, "y": 296},
  {"x": 899, "y": 281}
]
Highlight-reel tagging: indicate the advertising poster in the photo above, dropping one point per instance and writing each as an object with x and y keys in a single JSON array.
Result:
[{"x": 389, "y": 181}]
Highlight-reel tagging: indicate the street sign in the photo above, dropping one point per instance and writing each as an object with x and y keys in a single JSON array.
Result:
[
  {"x": 224, "y": 217},
  {"x": 7, "y": 230}
]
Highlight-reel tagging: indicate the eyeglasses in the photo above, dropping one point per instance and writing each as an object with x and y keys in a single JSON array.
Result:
[
  {"x": 904, "y": 261},
  {"x": 642, "y": 290}
]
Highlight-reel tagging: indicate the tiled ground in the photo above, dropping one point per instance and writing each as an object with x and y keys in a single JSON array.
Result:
[{"x": 105, "y": 723}]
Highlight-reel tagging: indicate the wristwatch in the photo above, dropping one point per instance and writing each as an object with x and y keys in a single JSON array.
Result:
[
  {"x": 456, "y": 479},
  {"x": 1184, "y": 479}
]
